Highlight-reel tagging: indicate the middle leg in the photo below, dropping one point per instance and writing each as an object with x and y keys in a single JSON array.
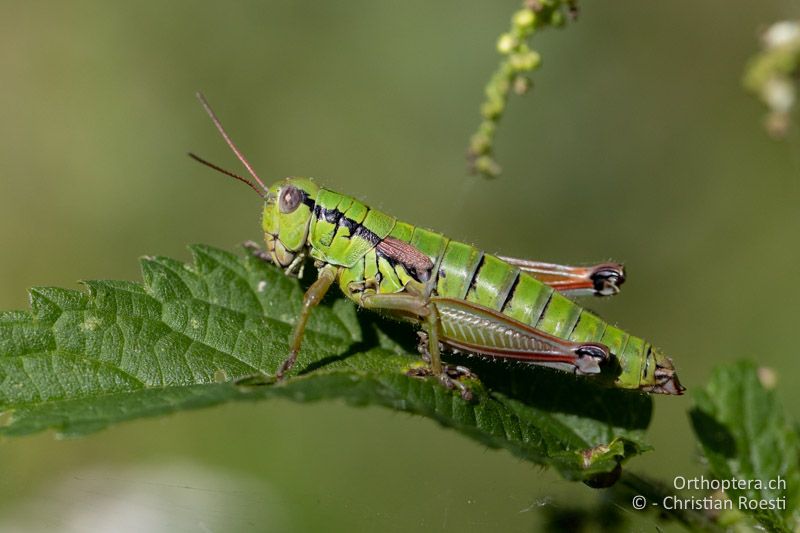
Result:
[{"x": 416, "y": 306}]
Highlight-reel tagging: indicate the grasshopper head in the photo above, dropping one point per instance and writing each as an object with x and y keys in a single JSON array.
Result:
[
  {"x": 288, "y": 212},
  {"x": 288, "y": 209}
]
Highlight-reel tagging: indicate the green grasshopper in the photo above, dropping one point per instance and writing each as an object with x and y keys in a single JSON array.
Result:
[{"x": 465, "y": 300}]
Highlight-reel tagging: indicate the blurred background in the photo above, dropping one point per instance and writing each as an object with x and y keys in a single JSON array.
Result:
[{"x": 637, "y": 144}]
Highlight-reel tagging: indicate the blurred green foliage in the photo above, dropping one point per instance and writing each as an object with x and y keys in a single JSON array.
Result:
[
  {"x": 773, "y": 74},
  {"x": 745, "y": 435},
  {"x": 638, "y": 144}
]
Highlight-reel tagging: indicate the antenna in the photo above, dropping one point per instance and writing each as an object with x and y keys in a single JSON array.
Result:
[
  {"x": 228, "y": 140},
  {"x": 228, "y": 173}
]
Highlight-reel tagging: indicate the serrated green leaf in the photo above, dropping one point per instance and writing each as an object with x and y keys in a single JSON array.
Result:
[
  {"x": 79, "y": 362},
  {"x": 745, "y": 435}
]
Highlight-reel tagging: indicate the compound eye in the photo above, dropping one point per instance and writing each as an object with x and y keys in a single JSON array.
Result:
[{"x": 289, "y": 198}]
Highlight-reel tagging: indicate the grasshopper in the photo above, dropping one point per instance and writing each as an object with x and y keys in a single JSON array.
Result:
[{"x": 464, "y": 300}]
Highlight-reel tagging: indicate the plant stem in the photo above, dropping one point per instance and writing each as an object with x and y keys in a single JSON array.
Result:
[{"x": 512, "y": 74}]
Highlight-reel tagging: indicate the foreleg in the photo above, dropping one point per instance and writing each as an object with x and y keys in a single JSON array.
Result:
[{"x": 314, "y": 294}]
